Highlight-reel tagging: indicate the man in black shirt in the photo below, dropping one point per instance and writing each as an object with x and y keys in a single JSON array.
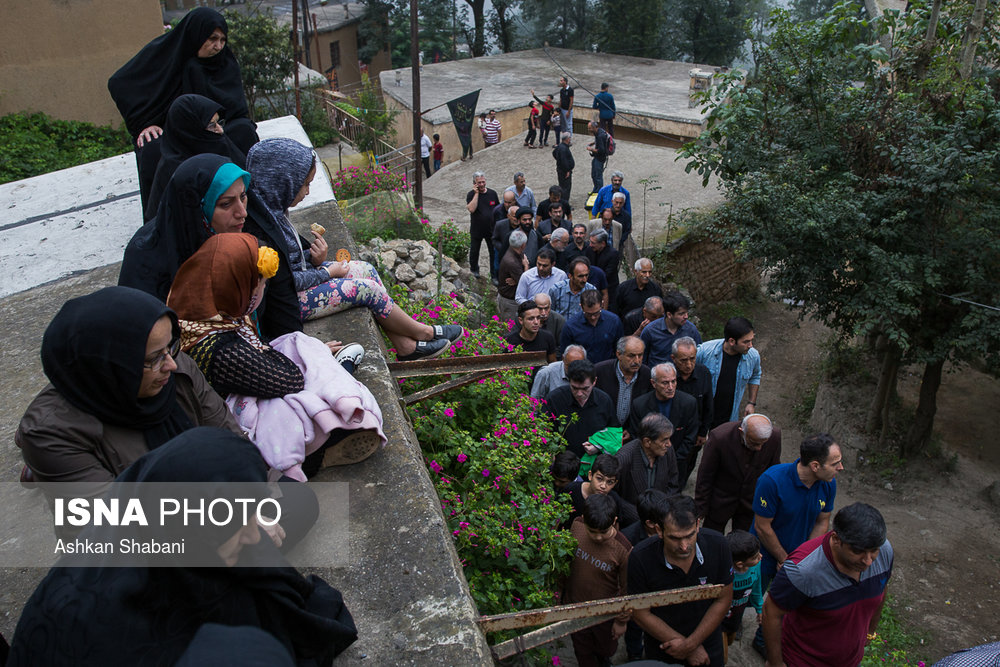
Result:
[
  {"x": 564, "y": 164},
  {"x": 480, "y": 201},
  {"x": 594, "y": 407},
  {"x": 530, "y": 335},
  {"x": 639, "y": 318},
  {"x": 604, "y": 257},
  {"x": 695, "y": 380},
  {"x": 566, "y": 106},
  {"x": 680, "y": 557},
  {"x": 633, "y": 292},
  {"x": 555, "y": 195}
]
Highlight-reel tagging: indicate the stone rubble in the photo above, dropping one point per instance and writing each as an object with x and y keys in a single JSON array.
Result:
[{"x": 415, "y": 265}]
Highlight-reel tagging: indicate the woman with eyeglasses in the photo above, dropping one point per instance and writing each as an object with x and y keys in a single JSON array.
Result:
[
  {"x": 192, "y": 57},
  {"x": 193, "y": 127},
  {"x": 119, "y": 387}
]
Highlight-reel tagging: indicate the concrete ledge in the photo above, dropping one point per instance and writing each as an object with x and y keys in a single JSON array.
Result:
[{"x": 404, "y": 583}]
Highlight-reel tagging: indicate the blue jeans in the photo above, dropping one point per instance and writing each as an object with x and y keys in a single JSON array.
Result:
[{"x": 567, "y": 120}]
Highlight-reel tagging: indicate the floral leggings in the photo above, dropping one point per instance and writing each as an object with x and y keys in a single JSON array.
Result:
[{"x": 360, "y": 287}]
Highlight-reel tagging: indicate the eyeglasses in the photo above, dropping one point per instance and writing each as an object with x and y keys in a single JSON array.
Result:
[
  {"x": 216, "y": 125},
  {"x": 171, "y": 351}
]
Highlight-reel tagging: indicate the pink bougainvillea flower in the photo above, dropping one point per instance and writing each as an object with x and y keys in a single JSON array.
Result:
[
  {"x": 462, "y": 458},
  {"x": 435, "y": 466},
  {"x": 486, "y": 473},
  {"x": 448, "y": 412}
]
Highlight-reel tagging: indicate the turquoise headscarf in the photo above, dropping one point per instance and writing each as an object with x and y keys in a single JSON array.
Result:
[{"x": 224, "y": 177}]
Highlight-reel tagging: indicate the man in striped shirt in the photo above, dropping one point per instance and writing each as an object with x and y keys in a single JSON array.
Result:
[{"x": 491, "y": 129}]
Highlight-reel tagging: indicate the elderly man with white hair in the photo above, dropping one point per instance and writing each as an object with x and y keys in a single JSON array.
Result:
[
  {"x": 736, "y": 455},
  {"x": 620, "y": 215},
  {"x": 633, "y": 292}
]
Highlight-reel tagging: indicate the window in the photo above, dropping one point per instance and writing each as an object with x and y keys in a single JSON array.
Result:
[{"x": 335, "y": 54}]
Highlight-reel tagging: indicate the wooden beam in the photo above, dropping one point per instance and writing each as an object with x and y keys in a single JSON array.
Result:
[
  {"x": 533, "y": 617},
  {"x": 442, "y": 387},
  {"x": 542, "y": 636},
  {"x": 486, "y": 362}
]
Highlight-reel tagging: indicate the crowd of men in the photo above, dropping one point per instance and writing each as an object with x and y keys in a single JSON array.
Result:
[{"x": 644, "y": 405}]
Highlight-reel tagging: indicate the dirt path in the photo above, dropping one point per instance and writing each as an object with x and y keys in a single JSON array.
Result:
[{"x": 943, "y": 529}]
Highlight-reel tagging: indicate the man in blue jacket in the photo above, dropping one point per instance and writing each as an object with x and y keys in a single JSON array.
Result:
[
  {"x": 605, "y": 103},
  {"x": 735, "y": 367}
]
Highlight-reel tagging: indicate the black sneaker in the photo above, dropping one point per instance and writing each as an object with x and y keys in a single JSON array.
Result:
[
  {"x": 427, "y": 349},
  {"x": 450, "y": 331}
]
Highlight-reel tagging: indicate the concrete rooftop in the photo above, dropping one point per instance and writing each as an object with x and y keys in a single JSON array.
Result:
[{"x": 641, "y": 86}]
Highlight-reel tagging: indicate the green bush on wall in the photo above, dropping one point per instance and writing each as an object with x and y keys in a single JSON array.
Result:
[{"x": 33, "y": 144}]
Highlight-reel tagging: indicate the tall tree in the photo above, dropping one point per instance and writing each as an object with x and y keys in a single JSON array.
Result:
[
  {"x": 706, "y": 31},
  {"x": 568, "y": 24},
  {"x": 477, "y": 41},
  {"x": 631, "y": 27},
  {"x": 502, "y": 24},
  {"x": 864, "y": 179}
]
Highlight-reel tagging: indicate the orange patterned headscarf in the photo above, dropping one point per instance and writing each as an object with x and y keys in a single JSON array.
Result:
[{"x": 213, "y": 288}]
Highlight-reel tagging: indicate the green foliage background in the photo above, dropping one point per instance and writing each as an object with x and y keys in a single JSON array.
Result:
[{"x": 33, "y": 144}]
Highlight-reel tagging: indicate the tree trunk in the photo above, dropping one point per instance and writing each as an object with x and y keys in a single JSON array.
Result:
[
  {"x": 920, "y": 431},
  {"x": 972, "y": 33},
  {"x": 932, "y": 23},
  {"x": 479, "y": 20},
  {"x": 886, "y": 384}
]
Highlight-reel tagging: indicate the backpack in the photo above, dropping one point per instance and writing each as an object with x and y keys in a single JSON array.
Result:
[{"x": 611, "y": 145}]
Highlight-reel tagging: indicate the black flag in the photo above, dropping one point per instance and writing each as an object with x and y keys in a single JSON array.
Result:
[{"x": 463, "y": 112}]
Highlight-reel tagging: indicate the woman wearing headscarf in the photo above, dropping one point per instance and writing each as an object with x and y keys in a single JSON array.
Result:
[
  {"x": 282, "y": 170},
  {"x": 193, "y": 57},
  {"x": 205, "y": 196},
  {"x": 291, "y": 396},
  {"x": 145, "y": 615},
  {"x": 193, "y": 127},
  {"x": 119, "y": 387}
]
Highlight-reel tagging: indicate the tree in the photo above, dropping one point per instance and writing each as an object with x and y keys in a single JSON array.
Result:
[
  {"x": 706, "y": 31},
  {"x": 567, "y": 24},
  {"x": 632, "y": 27},
  {"x": 860, "y": 171},
  {"x": 477, "y": 39},
  {"x": 379, "y": 120},
  {"x": 264, "y": 51},
  {"x": 375, "y": 33},
  {"x": 501, "y": 23}
]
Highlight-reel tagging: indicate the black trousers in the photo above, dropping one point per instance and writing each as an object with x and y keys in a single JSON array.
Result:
[{"x": 480, "y": 233}]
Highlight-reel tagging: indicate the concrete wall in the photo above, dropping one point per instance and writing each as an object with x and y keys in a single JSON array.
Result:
[
  {"x": 56, "y": 55},
  {"x": 708, "y": 270}
]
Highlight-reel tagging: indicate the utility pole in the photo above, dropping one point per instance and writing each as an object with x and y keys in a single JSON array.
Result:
[
  {"x": 418, "y": 174},
  {"x": 295, "y": 37}
]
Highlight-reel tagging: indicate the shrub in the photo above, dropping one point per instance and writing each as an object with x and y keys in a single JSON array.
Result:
[
  {"x": 33, "y": 144},
  {"x": 488, "y": 448},
  {"x": 355, "y": 182}
]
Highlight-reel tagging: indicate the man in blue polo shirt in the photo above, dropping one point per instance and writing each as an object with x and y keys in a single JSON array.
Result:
[
  {"x": 659, "y": 336},
  {"x": 594, "y": 328},
  {"x": 828, "y": 597},
  {"x": 792, "y": 504},
  {"x": 680, "y": 556}
]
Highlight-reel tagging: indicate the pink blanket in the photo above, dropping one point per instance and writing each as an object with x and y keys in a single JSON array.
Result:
[{"x": 286, "y": 429}]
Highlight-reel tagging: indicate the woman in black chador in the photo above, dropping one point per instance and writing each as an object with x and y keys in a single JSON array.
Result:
[{"x": 191, "y": 58}]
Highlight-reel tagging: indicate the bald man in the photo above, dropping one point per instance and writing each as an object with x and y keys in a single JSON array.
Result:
[
  {"x": 551, "y": 322},
  {"x": 737, "y": 453}
]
